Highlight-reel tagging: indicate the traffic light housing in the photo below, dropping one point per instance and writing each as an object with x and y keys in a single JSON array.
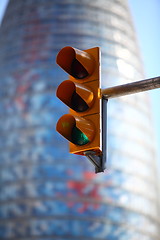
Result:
[{"x": 81, "y": 93}]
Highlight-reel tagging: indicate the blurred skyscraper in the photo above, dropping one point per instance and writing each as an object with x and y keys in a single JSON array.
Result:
[{"x": 45, "y": 192}]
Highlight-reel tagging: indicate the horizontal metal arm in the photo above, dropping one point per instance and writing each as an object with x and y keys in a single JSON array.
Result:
[{"x": 131, "y": 88}]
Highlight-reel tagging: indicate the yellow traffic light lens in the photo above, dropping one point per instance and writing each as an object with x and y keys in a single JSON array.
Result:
[
  {"x": 77, "y": 70},
  {"x": 76, "y": 96},
  {"x": 77, "y": 103},
  {"x": 78, "y": 137}
]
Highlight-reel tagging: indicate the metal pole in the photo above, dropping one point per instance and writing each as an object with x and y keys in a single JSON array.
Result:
[
  {"x": 99, "y": 161},
  {"x": 131, "y": 88},
  {"x": 104, "y": 132}
]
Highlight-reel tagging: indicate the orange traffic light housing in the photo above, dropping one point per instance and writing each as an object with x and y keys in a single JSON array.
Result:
[{"x": 81, "y": 93}]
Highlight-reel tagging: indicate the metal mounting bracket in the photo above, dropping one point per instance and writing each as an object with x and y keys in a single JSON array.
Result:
[
  {"x": 96, "y": 160},
  {"x": 99, "y": 161}
]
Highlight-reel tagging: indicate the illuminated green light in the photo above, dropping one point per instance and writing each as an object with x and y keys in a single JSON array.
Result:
[{"x": 78, "y": 137}]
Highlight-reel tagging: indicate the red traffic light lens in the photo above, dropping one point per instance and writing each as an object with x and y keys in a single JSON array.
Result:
[
  {"x": 77, "y": 70},
  {"x": 79, "y": 64}
]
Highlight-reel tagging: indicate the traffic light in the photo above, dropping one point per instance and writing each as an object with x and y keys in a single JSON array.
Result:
[{"x": 81, "y": 93}]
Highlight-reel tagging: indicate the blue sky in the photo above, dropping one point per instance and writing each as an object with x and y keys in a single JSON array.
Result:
[
  {"x": 3, "y": 4},
  {"x": 146, "y": 19}
]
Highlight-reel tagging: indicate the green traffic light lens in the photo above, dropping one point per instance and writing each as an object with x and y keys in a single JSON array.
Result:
[{"x": 78, "y": 137}]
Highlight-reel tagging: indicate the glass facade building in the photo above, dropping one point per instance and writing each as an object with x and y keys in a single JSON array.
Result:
[{"x": 45, "y": 192}]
